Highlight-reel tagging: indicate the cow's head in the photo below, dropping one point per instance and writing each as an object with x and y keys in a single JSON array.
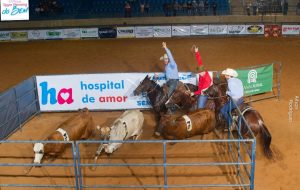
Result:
[
  {"x": 38, "y": 149},
  {"x": 104, "y": 132}
]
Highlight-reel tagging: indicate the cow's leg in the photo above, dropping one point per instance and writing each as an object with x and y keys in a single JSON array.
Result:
[{"x": 135, "y": 137}]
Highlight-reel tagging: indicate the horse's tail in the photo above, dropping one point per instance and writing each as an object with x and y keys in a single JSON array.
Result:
[{"x": 266, "y": 139}]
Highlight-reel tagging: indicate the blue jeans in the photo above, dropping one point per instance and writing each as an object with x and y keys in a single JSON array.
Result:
[
  {"x": 172, "y": 84},
  {"x": 228, "y": 107},
  {"x": 202, "y": 99}
]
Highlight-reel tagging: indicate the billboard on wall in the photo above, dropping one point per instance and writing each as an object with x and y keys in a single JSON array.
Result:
[
  {"x": 14, "y": 10},
  {"x": 257, "y": 80},
  {"x": 162, "y": 31},
  {"x": 113, "y": 91}
]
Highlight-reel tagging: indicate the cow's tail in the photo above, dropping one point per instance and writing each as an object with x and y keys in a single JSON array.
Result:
[{"x": 266, "y": 140}]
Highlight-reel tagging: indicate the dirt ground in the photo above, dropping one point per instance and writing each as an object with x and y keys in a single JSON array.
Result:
[{"x": 20, "y": 60}]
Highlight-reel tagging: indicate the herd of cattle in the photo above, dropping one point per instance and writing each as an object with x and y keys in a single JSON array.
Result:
[{"x": 128, "y": 126}]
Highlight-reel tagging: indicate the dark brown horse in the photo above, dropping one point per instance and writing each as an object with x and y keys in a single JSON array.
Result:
[
  {"x": 158, "y": 95},
  {"x": 252, "y": 118},
  {"x": 199, "y": 122}
]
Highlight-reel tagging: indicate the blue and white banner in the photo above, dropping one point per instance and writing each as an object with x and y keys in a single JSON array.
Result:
[
  {"x": 143, "y": 31},
  {"x": 111, "y": 91},
  {"x": 36, "y": 34},
  {"x": 181, "y": 30},
  {"x": 71, "y": 33},
  {"x": 125, "y": 32},
  {"x": 236, "y": 29},
  {"x": 217, "y": 29},
  {"x": 162, "y": 31},
  {"x": 198, "y": 30},
  {"x": 4, "y": 35},
  {"x": 89, "y": 32},
  {"x": 14, "y": 10}
]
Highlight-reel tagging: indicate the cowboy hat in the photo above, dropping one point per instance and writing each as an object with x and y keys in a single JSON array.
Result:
[
  {"x": 230, "y": 72},
  {"x": 165, "y": 56}
]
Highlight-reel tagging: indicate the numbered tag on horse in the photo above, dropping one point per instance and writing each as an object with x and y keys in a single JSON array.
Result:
[{"x": 188, "y": 122}]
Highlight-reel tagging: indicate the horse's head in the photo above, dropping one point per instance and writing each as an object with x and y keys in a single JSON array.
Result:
[
  {"x": 144, "y": 86},
  {"x": 38, "y": 149}
]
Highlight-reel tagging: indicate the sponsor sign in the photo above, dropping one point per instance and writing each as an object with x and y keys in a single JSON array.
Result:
[
  {"x": 162, "y": 31},
  {"x": 258, "y": 80},
  {"x": 107, "y": 32},
  {"x": 89, "y": 32},
  {"x": 291, "y": 29},
  {"x": 144, "y": 32},
  {"x": 236, "y": 29},
  {"x": 217, "y": 29},
  {"x": 198, "y": 30},
  {"x": 254, "y": 29},
  {"x": 36, "y": 34},
  {"x": 14, "y": 10},
  {"x": 125, "y": 32},
  {"x": 181, "y": 30},
  {"x": 4, "y": 36},
  {"x": 273, "y": 30},
  {"x": 113, "y": 91},
  {"x": 71, "y": 33},
  {"x": 19, "y": 35},
  {"x": 54, "y": 34}
]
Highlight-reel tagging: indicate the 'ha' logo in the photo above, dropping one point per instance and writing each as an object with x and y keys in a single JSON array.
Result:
[{"x": 64, "y": 95}]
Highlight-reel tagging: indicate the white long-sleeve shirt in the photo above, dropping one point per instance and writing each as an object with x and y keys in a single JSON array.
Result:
[{"x": 235, "y": 88}]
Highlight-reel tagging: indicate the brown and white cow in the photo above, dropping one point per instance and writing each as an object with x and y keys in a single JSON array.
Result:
[{"x": 77, "y": 127}]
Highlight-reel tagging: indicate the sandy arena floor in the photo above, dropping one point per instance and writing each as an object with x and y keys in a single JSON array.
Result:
[{"x": 20, "y": 60}]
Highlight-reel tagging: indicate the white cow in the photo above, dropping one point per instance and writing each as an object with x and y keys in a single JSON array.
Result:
[{"x": 128, "y": 125}]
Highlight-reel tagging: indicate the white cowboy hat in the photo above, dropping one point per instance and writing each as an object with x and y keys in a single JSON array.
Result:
[
  {"x": 165, "y": 56},
  {"x": 230, "y": 72}
]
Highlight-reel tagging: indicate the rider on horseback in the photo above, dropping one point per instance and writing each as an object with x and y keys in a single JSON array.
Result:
[
  {"x": 235, "y": 92},
  {"x": 171, "y": 72},
  {"x": 204, "y": 81}
]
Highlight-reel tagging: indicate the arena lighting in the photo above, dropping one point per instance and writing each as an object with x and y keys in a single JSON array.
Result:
[{"x": 14, "y": 10}]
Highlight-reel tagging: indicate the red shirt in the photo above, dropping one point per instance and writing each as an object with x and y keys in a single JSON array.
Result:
[{"x": 205, "y": 80}]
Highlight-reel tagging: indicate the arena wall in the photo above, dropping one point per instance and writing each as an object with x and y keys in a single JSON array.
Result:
[{"x": 233, "y": 19}]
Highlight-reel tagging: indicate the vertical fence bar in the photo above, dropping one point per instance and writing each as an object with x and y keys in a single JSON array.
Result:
[
  {"x": 79, "y": 167},
  {"x": 74, "y": 148},
  {"x": 165, "y": 166},
  {"x": 252, "y": 164}
]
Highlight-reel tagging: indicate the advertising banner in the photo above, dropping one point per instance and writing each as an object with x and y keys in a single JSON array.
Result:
[
  {"x": 181, "y": 30},
  {"x": 144, "y": 32},
  {"x": 291, "y": 29},
  {"x": 14, "y": 10},
  {"x": 272, "y": 30},
  {"x": 36, "y": 34},
  {"x": 254, "y": 29},
  {"x": 71, "y": 33},
  {"x": 198, "y": 30},
  {"x": 18, "y": 35},
  {"x": 4, "y": 36},
  {"x": 89, "y": 32},
  {"x": 162, "y": 31},
  {"x": 217, "y": 29},
  {"x": 54, "y": 34},
  {"x": 125, "y": 32},
  {"x": 107, "y": 32},
  {"x": 112, "y": 91},
  {"x": 236, "y": 29},
  {"x": 258, "y": 80}
]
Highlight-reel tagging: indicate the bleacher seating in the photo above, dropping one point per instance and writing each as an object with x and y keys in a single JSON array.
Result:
[{"x": 112, "y": 8}]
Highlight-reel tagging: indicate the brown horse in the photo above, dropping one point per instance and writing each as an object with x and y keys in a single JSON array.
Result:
[
  {"x": 77, "y": 127},
  {"x": 252, "y": 118},
  {"x": 199, "y": 122}
]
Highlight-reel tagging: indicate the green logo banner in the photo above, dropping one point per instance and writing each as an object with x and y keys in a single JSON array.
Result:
[{"x": 258, "y": 80}]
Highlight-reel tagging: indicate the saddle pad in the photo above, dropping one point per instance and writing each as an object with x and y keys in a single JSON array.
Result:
[
  {"x": 64, "y": 134},
  {"x": 188, "y": 122}
]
